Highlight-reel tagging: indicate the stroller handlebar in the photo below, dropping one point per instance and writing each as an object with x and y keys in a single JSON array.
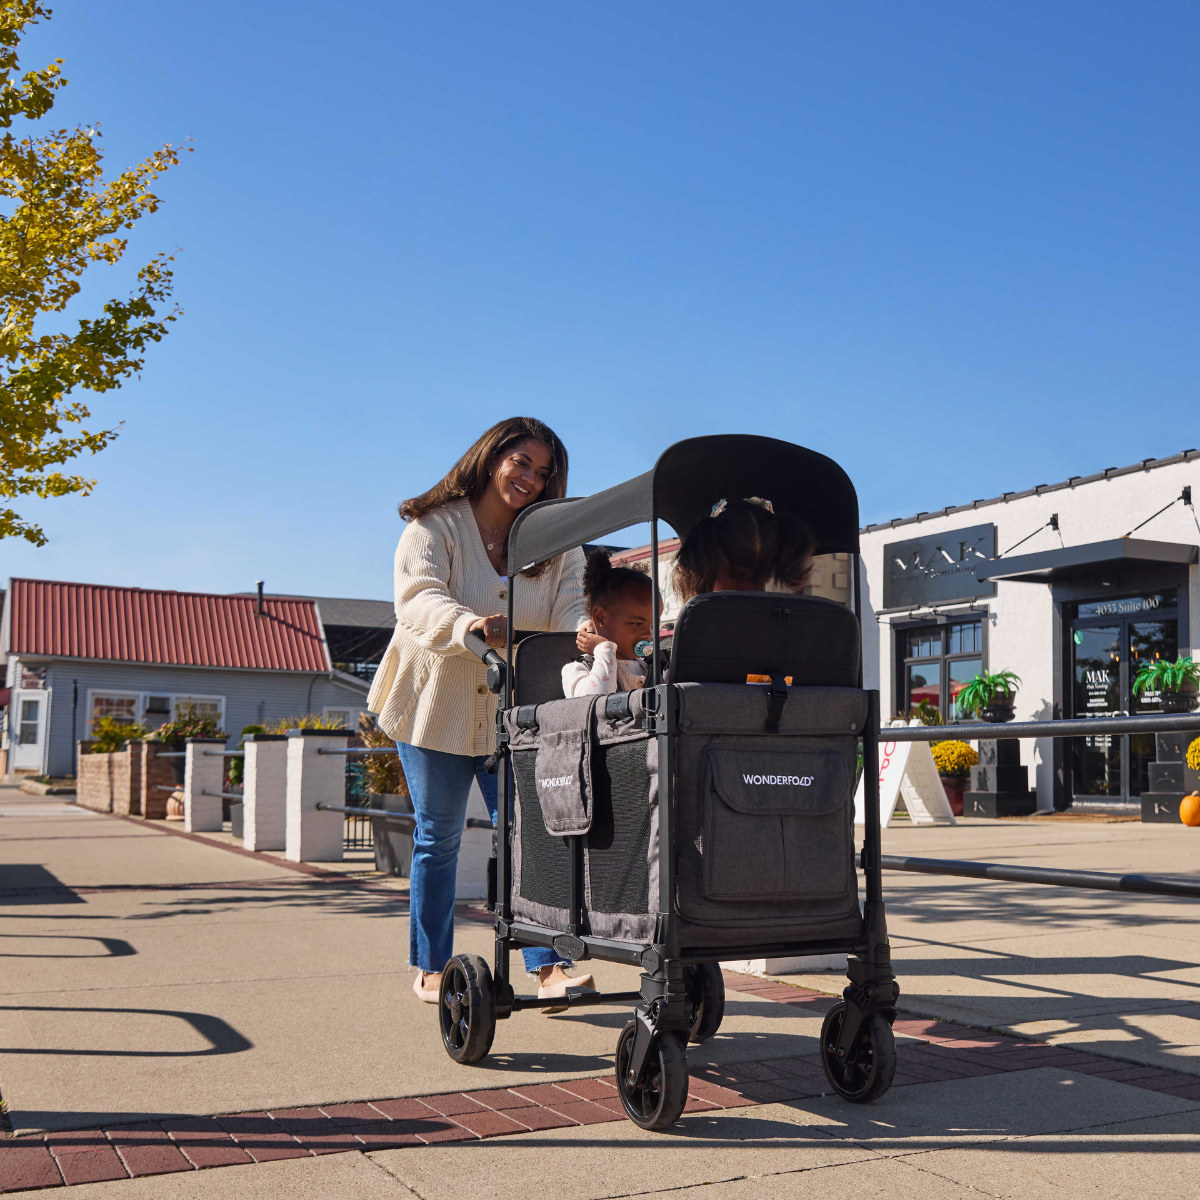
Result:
[{"x": 497, "y": 667}]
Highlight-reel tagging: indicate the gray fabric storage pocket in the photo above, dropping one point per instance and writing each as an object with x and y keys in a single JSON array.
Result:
[
  {"x": 562, "y": 774},
  {"x": 774, "y": 824}
]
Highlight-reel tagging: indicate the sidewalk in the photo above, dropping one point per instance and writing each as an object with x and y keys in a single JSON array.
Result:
[
  {"x": 1111, "y": 972},
  {"x": 152, "y": 978}
]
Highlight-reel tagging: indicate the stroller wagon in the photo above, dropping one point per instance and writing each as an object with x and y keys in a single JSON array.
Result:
[{"x": 701, "y": 818}]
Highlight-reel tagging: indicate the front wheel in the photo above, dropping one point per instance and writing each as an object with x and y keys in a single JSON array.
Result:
[
  {"x": 866, "y": 1072},
  {"x": 467, "y": 1008},
  {"x": 706, "y": 993},
  {"x": 657, "y": 1102}
]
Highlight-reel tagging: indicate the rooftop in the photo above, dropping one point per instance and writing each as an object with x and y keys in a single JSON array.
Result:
[
  {"x": 139, "y": 625},
  {"x": 336, "y": 610},
  {"x": 1147, "y": 464}
]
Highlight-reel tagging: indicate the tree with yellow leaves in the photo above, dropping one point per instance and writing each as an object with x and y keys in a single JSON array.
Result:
[{"x": 58, "y": 216}]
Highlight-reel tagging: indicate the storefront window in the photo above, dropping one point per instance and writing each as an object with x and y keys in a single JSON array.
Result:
[
  {"x": 938, "y": 662},
  {"x": 1110, "y": 641}
]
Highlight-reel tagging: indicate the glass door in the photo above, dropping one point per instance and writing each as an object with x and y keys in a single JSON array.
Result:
[
  {"x": 1111, "y": 640},
  {"x": 1096, "y": 674}
]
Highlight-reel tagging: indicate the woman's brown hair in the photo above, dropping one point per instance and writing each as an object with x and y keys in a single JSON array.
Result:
[
  {"x": 468, "y": 478},
  {"x": 748, "y": 544}
]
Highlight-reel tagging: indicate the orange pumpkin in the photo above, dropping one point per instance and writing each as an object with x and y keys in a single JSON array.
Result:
[{"x": 1189, "y": 809}]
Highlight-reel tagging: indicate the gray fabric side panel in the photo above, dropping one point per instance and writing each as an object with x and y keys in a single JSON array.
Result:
[
  {"x": 612, "y": 730},
  {"x": 742, "y": 708},
  {"x": 846, "y": 926},
  {"x": 823, "y": 886},
  {"x": 514, "y": 839},
  {"x": 652, "y": 852},
  {"x": 552, "y": 527},
  {"x": 540, "y": 914},
  {"x": 626, "y": 927}
]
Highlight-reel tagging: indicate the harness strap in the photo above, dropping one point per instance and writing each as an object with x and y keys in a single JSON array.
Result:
[{"x": 777, "y": 695}]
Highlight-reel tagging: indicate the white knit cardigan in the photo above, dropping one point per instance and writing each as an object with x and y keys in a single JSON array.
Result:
[{"x": 430, "y": 689}]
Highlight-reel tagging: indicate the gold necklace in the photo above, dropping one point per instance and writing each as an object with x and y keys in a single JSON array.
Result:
[
  {"x": 496, "y": 535},
  {"x": 494, "y": 532}
]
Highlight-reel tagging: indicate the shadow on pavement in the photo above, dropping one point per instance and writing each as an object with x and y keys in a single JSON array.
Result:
[
  {"x": 31, "y": 883},
  {"x": 114, "y": 947},
  {"x": 222, "y": 1038}
]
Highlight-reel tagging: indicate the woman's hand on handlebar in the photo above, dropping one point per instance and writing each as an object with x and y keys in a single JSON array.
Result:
[{"x": 493, "y": 629}]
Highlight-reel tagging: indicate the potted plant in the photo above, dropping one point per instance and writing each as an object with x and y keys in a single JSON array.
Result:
[
  {"x": 109, "y": 735},
  {"x": 188, "y": 723},
  {"x": 954, "y": 761},
  {"x": 236, "y": 766},
  {"x": 1175, "y": 682},
  {"x": 989, "y": 695}
]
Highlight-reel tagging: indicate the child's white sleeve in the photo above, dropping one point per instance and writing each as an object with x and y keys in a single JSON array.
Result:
[{"x": 577, "y": 680}]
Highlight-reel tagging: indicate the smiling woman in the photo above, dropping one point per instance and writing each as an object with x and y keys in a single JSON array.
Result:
[{"x": 430, "y": 690}]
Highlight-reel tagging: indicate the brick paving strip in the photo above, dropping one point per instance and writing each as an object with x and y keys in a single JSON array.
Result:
[{"x": 944, "y": 1051}]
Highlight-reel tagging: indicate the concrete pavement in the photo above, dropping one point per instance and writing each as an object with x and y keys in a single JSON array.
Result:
[
  {"x": 149, "y": 975},
  {"x": 1114, "y": 973}
]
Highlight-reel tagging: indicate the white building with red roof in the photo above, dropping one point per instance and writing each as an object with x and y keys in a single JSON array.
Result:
[{"x": 76, "y": 652}]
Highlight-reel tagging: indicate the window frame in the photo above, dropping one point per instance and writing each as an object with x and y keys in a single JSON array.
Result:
[
  {"x": 941, "y": 621},
  {"x": 352, "y": 714},
  {"x": 140, "y": 699},
  {"x": 193, "y": 698},
  {"x": 103, "y": 693}
]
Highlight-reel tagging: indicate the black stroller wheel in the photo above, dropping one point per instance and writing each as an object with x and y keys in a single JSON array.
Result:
[
  {"x": 706, "y": 992},
  {"x": 867, "y": 1071},
  {"x": 658, "y": 1101},
  {"x": 467, "y": 1008}
]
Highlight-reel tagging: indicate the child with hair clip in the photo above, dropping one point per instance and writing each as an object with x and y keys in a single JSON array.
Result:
[
  {"x": 618, "y": 601},
  {"x": 744, "y": 546}
]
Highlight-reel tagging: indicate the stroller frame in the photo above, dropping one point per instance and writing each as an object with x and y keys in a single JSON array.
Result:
[{"x": 678, "y": 987}]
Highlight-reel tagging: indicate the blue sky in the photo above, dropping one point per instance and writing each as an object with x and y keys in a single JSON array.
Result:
[{"x": 953, "y": 246}]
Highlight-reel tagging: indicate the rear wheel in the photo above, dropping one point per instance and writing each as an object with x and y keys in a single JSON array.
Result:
[
  {"x": 867, "y": 1070},
  {"x": 706, "y": 993},
  {"x": 657, "y": 1102},
  {"x": 467, "y": 1008}
]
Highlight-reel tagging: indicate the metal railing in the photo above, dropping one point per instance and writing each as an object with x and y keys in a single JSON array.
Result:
[
  {"x": 1146, "y": 885},
  {"x": 1097, "y": 881},
  {"x": 1061, "y": 728}
]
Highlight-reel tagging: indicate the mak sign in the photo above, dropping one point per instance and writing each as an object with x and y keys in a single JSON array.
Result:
[{"x": 938, "y": 569}]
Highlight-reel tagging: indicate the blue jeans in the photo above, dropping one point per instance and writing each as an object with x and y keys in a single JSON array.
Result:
[{"x": 440, "y": 784}]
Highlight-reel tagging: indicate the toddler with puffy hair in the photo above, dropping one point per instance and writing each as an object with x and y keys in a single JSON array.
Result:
[{"x": 618, "y": 601}]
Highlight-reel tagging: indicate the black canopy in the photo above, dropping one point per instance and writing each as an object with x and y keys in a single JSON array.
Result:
[{"x": 688, "y": 479}]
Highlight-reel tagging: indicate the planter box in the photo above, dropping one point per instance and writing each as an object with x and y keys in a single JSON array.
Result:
[
  {"x": 110, "y": 783},
  {"x": 1161, "y": 808},
  {"x": 125, "y": 781},
  {"x": 393, "y": 844},
  {"x": 156, "y": 771}
]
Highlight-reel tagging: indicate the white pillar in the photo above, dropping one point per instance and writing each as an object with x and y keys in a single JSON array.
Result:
[
  {"x": 264, "y": 804},
  {"x": 202, "y": 779},
  {"x": 314, "y": 836}
]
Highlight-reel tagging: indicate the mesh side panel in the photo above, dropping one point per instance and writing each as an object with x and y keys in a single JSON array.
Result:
[
  {"x": 619, "y": 841},
  {"x": 545, "y": 860}
]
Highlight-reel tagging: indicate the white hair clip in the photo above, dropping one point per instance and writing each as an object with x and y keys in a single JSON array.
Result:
[{"x": 719, "y": 507}]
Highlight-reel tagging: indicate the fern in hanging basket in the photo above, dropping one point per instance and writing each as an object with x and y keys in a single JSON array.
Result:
[
  {"x": 1164, "y": 676},
  {"x": 989, "y": 687}
]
